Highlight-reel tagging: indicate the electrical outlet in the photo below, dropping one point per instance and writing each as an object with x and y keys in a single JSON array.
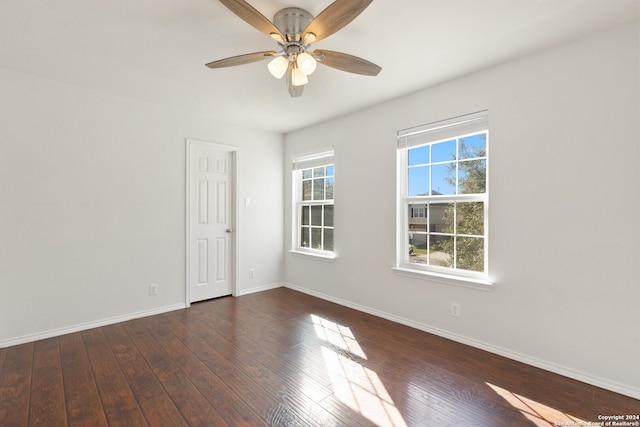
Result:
[
  {"x": 455, "y": 309},
  {"x": 252, "y": 273},
  {"x": 153, "y": 289}
]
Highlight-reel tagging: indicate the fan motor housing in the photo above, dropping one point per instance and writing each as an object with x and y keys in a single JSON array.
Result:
[{"x": 292, "y": 21}]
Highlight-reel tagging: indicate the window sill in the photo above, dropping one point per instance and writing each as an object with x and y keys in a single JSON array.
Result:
[
  {"x": 311, "y": 255},
  {"x": 447, "y": 279}
]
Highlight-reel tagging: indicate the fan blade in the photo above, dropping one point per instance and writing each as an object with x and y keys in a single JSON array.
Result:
[
  {"x": 345, "y": 62},
  {"x": 254, "y": 18},
  {"x": 241, "y": 59},
  {"x": 334, "y": 17}
]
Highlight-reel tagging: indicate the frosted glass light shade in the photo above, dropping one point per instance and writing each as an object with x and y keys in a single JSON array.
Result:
[
  {"x": 298, "y": 78},
  {"x": 278, "y": 66},
  {"x": 309, "y": 38},
  {"x": 277, "y": 37},
  {"x": 306, "y": 63}
]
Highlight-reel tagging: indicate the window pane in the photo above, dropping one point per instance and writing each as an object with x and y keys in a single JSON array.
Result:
[
  {"x": 304, "y": 237},
  {"x": 328, "y": 239},
  {"x": 328, "y": 216},
  {"x": 441, "y": 217},
  {"x": 418, "y": 218},
  {"x": 419, "y": 181},
  {"x": 316, "y": 238},
  {"x": 443, "y": 151},
  {"x": 470, "y": 217},
  {"x": 306, "y": 190},
  {"x": 419, "y": 155},
  {"x": 418, "y": 248},
  {"x": 470, "y": 253},
  {"x": 316, "y": 215},
  {"x": 444, "y": 179},
  {"x": 441, "y": 251},
  {"x": 318, "y": 171},
  {"x": 472, "y": 177},
  {"x": 329, "y": 189},
  {"x": 330, "y": 170},
  {"x": 419, "y": 241},
  {"x": 306, "y": 173},
  {"x": 473, "y": 146},
  {"x": 318, "y": 189},
  {"x": 305, "y": 215}
]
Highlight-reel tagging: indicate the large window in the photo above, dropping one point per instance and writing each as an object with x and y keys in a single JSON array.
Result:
[
  {"x": 313, "y": 182},
  {"x": 443, "y": 197}
]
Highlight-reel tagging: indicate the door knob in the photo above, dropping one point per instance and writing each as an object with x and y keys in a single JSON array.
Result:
[{"x": 229, "y": 230}]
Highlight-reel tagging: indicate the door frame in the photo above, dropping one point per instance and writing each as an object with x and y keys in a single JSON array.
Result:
[{"x": 235, "y": 220}]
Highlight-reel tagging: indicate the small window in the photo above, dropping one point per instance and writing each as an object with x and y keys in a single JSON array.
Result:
[
  {"x": 418, "y": 212},
  {"x": 313, "y": 183},
  {"x": 443, "y": 197}
]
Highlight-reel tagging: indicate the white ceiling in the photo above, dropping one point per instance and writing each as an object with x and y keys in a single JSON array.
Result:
[{"x": 155, "y": 50}]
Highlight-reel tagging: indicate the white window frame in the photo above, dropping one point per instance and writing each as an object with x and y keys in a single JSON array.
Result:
[
  {"x": 300, "y": 163},
  {"x": 430, "y": 134}
]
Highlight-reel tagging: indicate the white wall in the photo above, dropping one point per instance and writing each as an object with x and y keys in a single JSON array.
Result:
[
  {"x": 92, "y": 206},
  {"x": 564, "y": 209}
]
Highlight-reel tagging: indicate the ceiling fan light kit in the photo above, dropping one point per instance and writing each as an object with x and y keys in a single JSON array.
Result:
[{"x": 294, "y": 30}]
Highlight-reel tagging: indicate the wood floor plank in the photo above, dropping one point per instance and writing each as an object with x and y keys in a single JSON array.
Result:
[
  {"x": 230, "y": 407},
  {"x": 157, "y": 406},
  {"x": 298, "y": 394},
  {"x": 82, "y": 400},
  {"x": 240, "y": 415},
  {"x": 212, "y": 387},
  {"x": 249, "y": 351},
  {"x": 259, "y": 400},
  {"x": 282, "y": 358},
  {"x": 347, "y": 372},
  {"x": 193, "y": 406},
  {"x": 15, "y": 385},
  {"x": 47, "y": 406},
  {"x": 268, "y": 397},
  {"x": 346, "y": 415},
  {"x": 3, "y": 354},
  {"x": 119, "y": 404}
]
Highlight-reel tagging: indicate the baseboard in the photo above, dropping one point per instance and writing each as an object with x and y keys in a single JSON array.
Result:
[
  {"x": 89, "y": 325},
  {"x": 258, "y": 289},
  {"x": 538, "y": 363}
]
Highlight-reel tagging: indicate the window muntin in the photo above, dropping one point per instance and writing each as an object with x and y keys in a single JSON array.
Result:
[
  {"x": 314, "y": 228},
  {"x": 446, "y": 178}
]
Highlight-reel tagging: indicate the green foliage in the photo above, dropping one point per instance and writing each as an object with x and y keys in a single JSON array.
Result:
[{"x": 467, "y": 218}]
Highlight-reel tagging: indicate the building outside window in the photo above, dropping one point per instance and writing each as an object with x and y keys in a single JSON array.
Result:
[{"x": 443, "y": 197}]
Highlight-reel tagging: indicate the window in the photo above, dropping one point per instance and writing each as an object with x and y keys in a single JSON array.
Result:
[
  {"x": 418, "y": 212},
  {"x": 443, "y": 197},
  {"x": 313, "y": 183}
]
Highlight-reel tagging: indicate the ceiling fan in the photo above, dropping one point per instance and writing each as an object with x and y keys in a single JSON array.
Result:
[{"x": 295, "y": 30}]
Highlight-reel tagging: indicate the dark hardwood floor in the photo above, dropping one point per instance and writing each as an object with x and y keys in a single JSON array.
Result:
[{"x": 281, "y": 358}]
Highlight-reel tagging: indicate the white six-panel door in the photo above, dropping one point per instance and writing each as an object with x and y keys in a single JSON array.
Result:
[{"x": 210, "y": 221}]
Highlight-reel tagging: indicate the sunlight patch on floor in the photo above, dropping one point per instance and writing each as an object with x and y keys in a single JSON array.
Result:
[
  {"x": 338, "y": 335},
  {"x": 355, "y": 385},
  {"x": 536, "y": 412}
]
